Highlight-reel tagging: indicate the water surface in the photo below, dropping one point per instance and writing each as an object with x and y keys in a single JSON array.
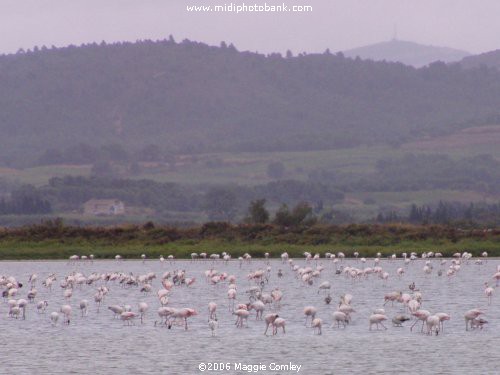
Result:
[{"x": 99, "y": 344}]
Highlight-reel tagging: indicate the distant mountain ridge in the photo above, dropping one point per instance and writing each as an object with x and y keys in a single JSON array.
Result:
[
  {"x": 489, "y": 59},
  {"x": 189, "y": 97},
  {"x": 408, "y": 53}
]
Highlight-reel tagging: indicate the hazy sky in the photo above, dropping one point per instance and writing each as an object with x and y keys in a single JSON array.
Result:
[{"x": 471, "y": 25}]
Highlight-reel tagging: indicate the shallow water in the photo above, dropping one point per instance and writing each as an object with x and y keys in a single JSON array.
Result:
[{"x": 99, "y": 344}]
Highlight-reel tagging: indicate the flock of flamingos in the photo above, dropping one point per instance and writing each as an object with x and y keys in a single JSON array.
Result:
[{"x": 251, "y": 292}]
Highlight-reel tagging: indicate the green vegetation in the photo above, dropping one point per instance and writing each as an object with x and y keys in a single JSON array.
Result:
[
  {"x": 351, "y": 140},
  {"x": 53, "y": 240},
  {"x": 147, "y": 100}
]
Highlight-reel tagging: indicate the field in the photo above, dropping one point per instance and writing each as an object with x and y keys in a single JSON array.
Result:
[{"x": 248, "y": 169}]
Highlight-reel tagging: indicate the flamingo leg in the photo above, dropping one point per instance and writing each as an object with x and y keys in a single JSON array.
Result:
[{"x": 413, "y": 325}]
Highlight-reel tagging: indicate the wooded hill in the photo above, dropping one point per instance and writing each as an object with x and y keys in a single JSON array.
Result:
[{"x": 189, "y": 97}]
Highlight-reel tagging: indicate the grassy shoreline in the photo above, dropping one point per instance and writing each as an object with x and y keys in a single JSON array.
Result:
[
  {"x": 53, "y": 250},
  {"x": 56, "y": 241}
]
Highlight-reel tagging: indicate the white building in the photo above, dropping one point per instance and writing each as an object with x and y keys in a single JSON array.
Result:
[{"x": 103, "y": 207}]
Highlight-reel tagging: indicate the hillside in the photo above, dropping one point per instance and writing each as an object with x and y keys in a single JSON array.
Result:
[
  {"x": 192, "y": 98},
  {"x": 488, "y": 59},
  {"x": 408, "y": 53}
]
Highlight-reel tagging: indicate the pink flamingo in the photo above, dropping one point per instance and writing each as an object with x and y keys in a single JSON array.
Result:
[
  {"x": 316, "y": 324},
  {"x": 471, "y": 315},
  {"x": 442, "y": 317},
  {"x": 242, "y": 315},
  {"x": 488, "y": 291},
  {"x": 231, "y": 295},
  {"x": 212, "y": 311},
  {"x": 269, "y": 319},
  {"x": 377, "y": 319},
  {"x": 278, "y": 322},
  {"x": 393, "y": 296},
  {"x": 478, "y": 323},
  {"x": 340, "y": 317},
  {"x": 184, "y": 313},
  {"x": 496, "y": 277},
  {"x": 277, "y": 295},
  {"x": 420, "y": 315},
  {"x": 310, "y": 311},
  {"x": 66, "y": 310},
  {"x": 127, "y": 317},
  {"x": 259, "y": 307},
  {"x": 143, "y": 308},
  {"x": 433, "y": 322}
]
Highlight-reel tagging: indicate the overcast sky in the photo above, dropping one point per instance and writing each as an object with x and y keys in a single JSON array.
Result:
[{"x": 470, "y": 25}]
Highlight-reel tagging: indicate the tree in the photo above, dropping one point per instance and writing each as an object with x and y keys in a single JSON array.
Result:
[
  {"x": 257, "y": 213},
  {"x": 102, "y": 169},
  {"x": 50, "y": 157},
  {"x": 150, "y": 152},
  {"x": 115, "y": 152},
  {"x": 300, "y": 215},
  {"x": 134, "y": 168},
  {"x": 275, "y": 169},
  {"x": 283, "y": 217},
  {"x": 24, "y": 201},
  {"x": 220, "y": 204}
]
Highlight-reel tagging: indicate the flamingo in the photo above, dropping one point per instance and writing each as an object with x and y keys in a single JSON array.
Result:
[
  {"x": 310, "y": 311},
  {"x": 184, "y": 313},
  {"x": 212, "y": 311},
  {"x": 242, "y": 315},
  {"x": 316, "y": 324},
  {"x": 143, "y": 307},
  {"x": 277, "y": 295},
  {"x": 66, "y": 311},
  {"x": 488, "y": 291},
  {"x": 377, "y": 319},
  {"x": 259, "y": 308},
  {"x": 116, "y": 309},
  {"x": 22, "y": 303},
  {"x": 478, "y": 323},
  {"x": 14, "y": 312},
  {"x": 128, "y": 317},
  {"x": 398, "y": 320},
  {"x": 420, "y": 315},
  {"x": 340, "y": 317},
  {"x": 471, "y": 315},
  {"x": 84, "y": 306},
  {"x": 213, "y": 324},
  {"x": 393, "y": 296},
  {"x": 231, "y": 295},
  {"x": 54, "y": 317},
  {"x": 41, "y": 306},
  {"x": 496, "y": 277},
  {"x": 433, "y": 322},
  {"x": 442, "y": 317},
  {"x": 325, "y": 285},
  {"x": 32, "y": 294},
  {"x": 347, "y": 310},
  {"x": 278, "y": 322},
  {"x": 269, "y": 319},
  {"x": 164, "y": 313}
]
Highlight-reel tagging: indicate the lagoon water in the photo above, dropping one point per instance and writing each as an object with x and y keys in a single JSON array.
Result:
[{"x": 99, "y": 344}]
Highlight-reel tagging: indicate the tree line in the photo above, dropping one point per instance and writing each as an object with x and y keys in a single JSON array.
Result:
[
  {"x": 446, "y": 213},
  {"x": 143, "y": 93}
]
